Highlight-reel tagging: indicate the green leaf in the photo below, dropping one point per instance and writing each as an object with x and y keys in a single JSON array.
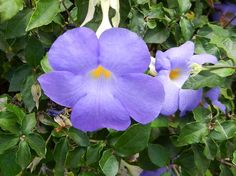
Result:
[
  {"x": 78, "y": 137},
  {"x": 20, "y": 114},
  {"x": 8, "y": 165},
  {"x": 186, "y": 28},
  {"x": 18, "y": 78},
  {"x": 133, "y": 140},
  {"x": 224, "y": 130},
  {"x": 37, "y": 143},
  {"x": 29, "y": 123},
  {"x": 45, "y": 64},
  {"x": 26, "y": 93},
  {"x": 44, "y": 13},
  {"x": 7, "y": 142},
  {"x": 201, "y": 114},
  {"x": 210, "y": 149},
  {"x": 17, "y": 25},
  {"x": 199, "y": 81},
  {"x": 8, "y": 122},
  {"x": 192, "y": 133},
  {"x": 184, "y": 5},
  {"x": 34, "y": 52},
  {"x": 222, "y": 68},
  {"x": 23, "y": 154},
  {"x": 161, "y": 121},
  {"x": 234, "y": 158},
  {"x": 158, "y": 155},
  {"x": 75, "y": 158},
  {"x": 60, "y": 153},
  {"x": 158, "y": 35},
  {"x": 109, "y": 164},
  {"x": 225, "y": 171},
  {"x": 93, "y": 153},
  {"x": 201, "y": 162},
  {"x": 9, "y": 8}
]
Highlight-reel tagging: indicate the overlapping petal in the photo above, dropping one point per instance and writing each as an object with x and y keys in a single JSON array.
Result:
[
  {"x": 203, "y": 58},
  {"x": 189, "y": 99},
  {"x": 141, "y": 95},
  {"x": 75, "y": 51},
  {"x": 65, "y": 88},
  {"x": 122, "y": 51},
  {"x": 170, "y": 105}
]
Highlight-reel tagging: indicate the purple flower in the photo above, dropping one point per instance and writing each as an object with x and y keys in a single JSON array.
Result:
[
  {"x": 224, "y": 13},
  {"x": 173, "y": 67},
  {"x": 157, "y": 172},
  {"x": 213, "y": 94},
  {"x": 102, "y": 79}
]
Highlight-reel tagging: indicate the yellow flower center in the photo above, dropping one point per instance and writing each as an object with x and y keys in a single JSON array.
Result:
[
  {"x": 100, "y": 71},
  {"x": 175, "y": 73}
]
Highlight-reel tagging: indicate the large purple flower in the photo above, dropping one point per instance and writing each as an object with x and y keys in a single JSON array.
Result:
[
  {"x": 102, "y": 79},
  {"x": 225, "y": 13},
  {"x": 173, "y": 67}
]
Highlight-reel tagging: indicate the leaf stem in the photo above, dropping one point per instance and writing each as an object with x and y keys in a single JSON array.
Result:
[{"x": 67, "y": 11}]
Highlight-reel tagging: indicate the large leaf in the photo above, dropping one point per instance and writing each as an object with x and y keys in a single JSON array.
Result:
[
  {"x": 44, "y": 13},
  {"x": 134, "y": 140},
  {"x": 158, "y": 155},
  {"x": 8, "y": 122},
  {"x": 9, "y": 8},
  {"x": 7, "y": 142},
  {"x": 37, "y": 143},
  {"x": 192, "y": 133},
  {"x": 29, "y": 123},
  {"x": 109, "y": 164},
  {"x": 23, "y": 154}
]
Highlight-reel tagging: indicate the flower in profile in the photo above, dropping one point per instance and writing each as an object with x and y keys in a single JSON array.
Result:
[
  {"x": 213, "y": 95},
  {"x": 103, "y": 79},
  {"x": 225, "y": 13},
  {"x": 173, "y": 67}
]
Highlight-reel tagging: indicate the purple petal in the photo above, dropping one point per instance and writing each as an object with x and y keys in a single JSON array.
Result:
[
  {"x": 99, "y": 110},
  {"x": 162, "y": 63},
  {"x": 62, "y": 87},
  {"x": 141, "y": 95},
  {"x": 213, "y": 94},
  {"x": 203, "y": 58},
  {"x": 75, "y": 51},
  {"x": 189, "y": 99},
  {"x": 182, "y": 53},
  {"x": 170, "y": 105},
  {"x": 157, "y": 172},
  {"x": 122, "y": 51}
]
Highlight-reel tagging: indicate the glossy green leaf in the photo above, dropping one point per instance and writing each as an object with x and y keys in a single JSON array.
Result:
[
  {"x": 29, "y": 123},
  {"x": 7, "y": 142},
  {"x": 37, "y": 143},
  {"x": 109, "y": 164},
  {"x": 93, "y": 153},
  {"x": 133, "y": 140},
  {"x": 184, "y": 5},
  {"x": 201, "y": 114},
  {"x": 193, "y": 133},
  {"x": 210, "y": 149},
  {"x": 44, "y": 13},
  {"x": 9, "y": 122},
  {"x": 9, "y": 8},
  {"x": 75, "y": 158},
  {"x": 23, "y": 154},
  {"x": 79, "y": 137},
  {"x": 158, "y": 35},
  {"x": 158, "y": 155},
  {"x": 186, "y": 28}
]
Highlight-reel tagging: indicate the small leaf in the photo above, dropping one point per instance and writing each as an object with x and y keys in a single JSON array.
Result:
[
  {"x": 37, "y": 143},
  {"x": 184, "y": 5},
  {"x": 20, "y": 114},
  {"x": 192, "y": 133},
  {"x": 23, "y": 154},
  {"x": 8, "y": 122},
  {"x": 234, "y": 158},
  {"x": 44, "y": 13},
  {"x": 201, "y": 114},
  {"x": 186, "y": 28},
  {"x": 160, "y": 122},
  {"x": 158, "y": 35},
  {"x": 79, "y": 137},
  {"x": 9, "y": 8},
  {"x": 132, "y": 141},
  {"x": 45, "y": 64},
  {"x": 29, "y": 123},
  {"x": 75, "y": 158},
  {"x": 210, "y": 149},
  {"x": 93, "y": 153},
  {"x": 158, "y": 155},
  {"x": 109, "y": 164}
]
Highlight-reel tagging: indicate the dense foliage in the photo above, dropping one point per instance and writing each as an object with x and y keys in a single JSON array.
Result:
[{"x": 36, "y": 137}]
